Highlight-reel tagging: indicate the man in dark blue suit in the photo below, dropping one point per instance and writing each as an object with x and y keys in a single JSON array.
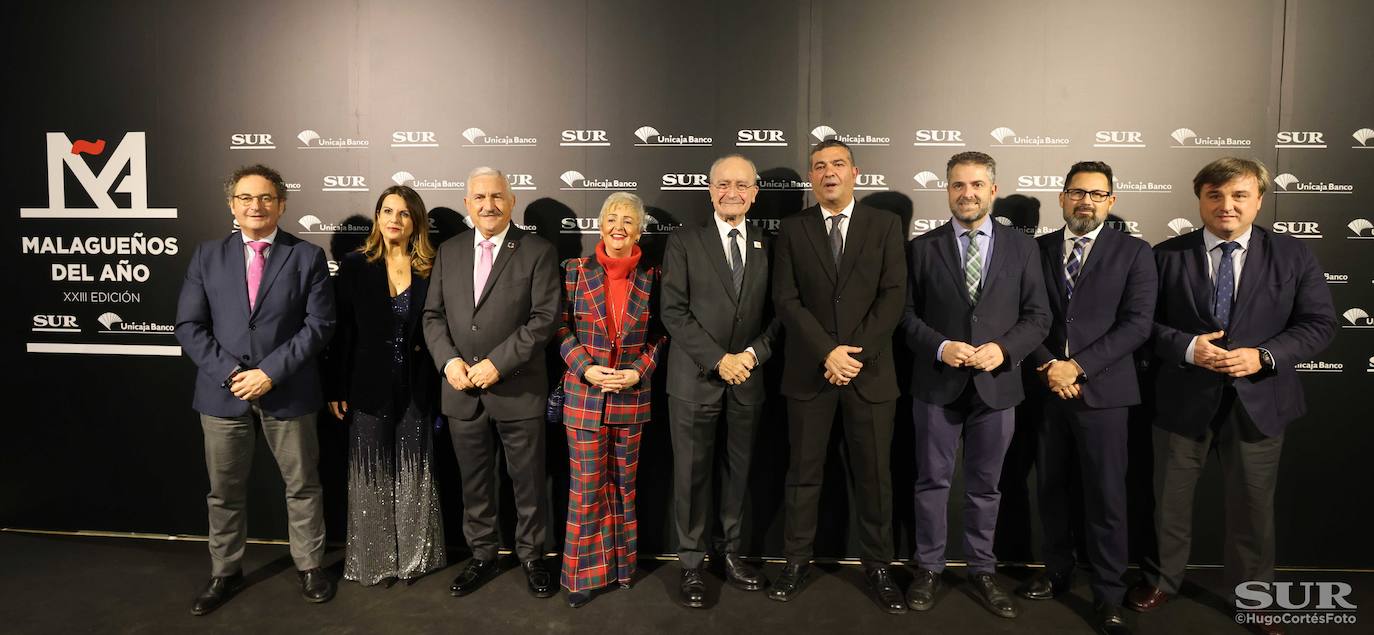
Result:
[
  {"x": 975, "y": 309},
  {"x": 255, "y": 310},
  {"x": 1102, "y": 288},
  {"x": 1238, "y": 308}
]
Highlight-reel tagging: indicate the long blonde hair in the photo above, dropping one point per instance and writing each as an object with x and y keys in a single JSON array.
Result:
[{"x": 419, "y": 247}]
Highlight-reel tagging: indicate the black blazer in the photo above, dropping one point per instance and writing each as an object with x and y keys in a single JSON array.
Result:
[
  {"x": 1109, "y": 317},
  {"x": 705, "y": 318},
  {"x": 358, "y": 361},
  {"x": 858, "y": 304},
  {"x": 1282, "y": 304},
  {"x": 513, "y": 321},
  {"x": 1012, "y": 311}
]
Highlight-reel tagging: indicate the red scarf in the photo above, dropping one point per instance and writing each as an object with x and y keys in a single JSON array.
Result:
[{"x": 618, "y": 275}]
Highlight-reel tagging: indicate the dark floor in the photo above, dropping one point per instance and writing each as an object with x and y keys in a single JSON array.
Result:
[{"x": 68, "y": 584}]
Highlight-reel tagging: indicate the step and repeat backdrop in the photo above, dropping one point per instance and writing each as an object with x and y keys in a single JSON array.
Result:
[{"x": 127, "y": 117}]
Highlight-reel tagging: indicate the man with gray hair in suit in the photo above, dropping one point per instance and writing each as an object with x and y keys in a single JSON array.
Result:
[{"x": 491, "y": 309}]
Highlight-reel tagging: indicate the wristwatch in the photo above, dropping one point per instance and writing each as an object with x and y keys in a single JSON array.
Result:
[{"x": 1266, "y": 359}]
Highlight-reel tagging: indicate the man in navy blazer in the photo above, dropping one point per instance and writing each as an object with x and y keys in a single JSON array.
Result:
[
  {"x": 1238, "y": 308},
  {"x": 1102, "y": 288},
  {"x": 975, "y": 309},
  {"x": 255, "y": 310}
]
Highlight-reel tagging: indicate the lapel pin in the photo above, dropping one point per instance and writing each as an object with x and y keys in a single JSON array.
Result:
[
  {"x": 758, "y": 245},
  {"x": 510, "y": 244}
]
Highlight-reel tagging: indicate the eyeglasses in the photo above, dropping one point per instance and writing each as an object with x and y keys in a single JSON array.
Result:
[
  {"x": 247, "y": 199},
  {"x": 1097, "y": 195},
  {"x": 725, "y": 186}
]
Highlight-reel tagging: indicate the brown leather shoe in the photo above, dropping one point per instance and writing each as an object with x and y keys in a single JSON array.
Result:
[{"x": 1145, "y": 598}]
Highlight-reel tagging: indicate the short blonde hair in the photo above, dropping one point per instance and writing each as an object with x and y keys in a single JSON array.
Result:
[{"x": 625, "y": 199}]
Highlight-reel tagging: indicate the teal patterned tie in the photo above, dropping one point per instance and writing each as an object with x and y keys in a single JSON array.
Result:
[{"x": 973, "y": 265}]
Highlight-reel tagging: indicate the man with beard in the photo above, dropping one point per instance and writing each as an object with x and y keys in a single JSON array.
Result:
[
  {"x": 715, "y": 306},
  {"x": 975, "y": 309},
  {"x": 492, "y": 306},
  {"x": 838, "y": 288},
  {"x": 1102, "y": 287}
]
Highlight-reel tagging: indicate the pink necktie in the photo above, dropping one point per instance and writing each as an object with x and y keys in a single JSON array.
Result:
[
  {"x": 255, "y": 270},
  {"x": 482, "y": 271}
]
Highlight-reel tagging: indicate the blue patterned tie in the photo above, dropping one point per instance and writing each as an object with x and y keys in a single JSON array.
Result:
[
  {"x": 1074, "y": 265},
  {"x": 1225, "y": 284}
]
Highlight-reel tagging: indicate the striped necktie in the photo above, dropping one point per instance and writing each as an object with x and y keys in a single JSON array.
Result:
[
  {"x": 973, "y": 265},
  {"x": 1074, "y": 265}
]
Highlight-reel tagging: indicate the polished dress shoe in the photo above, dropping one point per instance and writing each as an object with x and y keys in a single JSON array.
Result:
[
  {"x": 692, "y": 588},
  {"x": 1145, "y": 598},
  {"x": 885, "y": 591},
  {"x": 1110, "y": 621},
  {"x": 789, "y": 582},
  {"x": 538, "y": 577},
  {"x": 1044, "y": 586},
  {"x": 921, "y": 595},
  {"x": 472, "y": 577},
  {"x": 993, "y": 597},
  {"x": 741, "y": 574},
  {"x": 217, "y": 591},
  {"x": 316, "y": 586},
  {"x": 579, "y": 599}
]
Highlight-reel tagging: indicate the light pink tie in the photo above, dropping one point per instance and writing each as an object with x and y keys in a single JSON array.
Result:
[
  {"x": 482, "y": 271},
  {"x": 255, "y": 270}
]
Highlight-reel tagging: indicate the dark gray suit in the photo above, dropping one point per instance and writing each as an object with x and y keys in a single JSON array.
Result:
[
  {"x": 1108, "y": 317},
  {"x": 953, "y": 403},
  {"x": 511, "y": 323},
  {"x": 706, "y": 318},
  {"x": 289, "y": 325}
]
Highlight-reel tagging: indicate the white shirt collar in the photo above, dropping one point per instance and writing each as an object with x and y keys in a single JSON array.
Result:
[
  {"x": 499, "y": 239},
  {"x": 847, "y": 211},
  {"x": 270, "y": 239},
  {"x": 1211, "y": 240},
  {"x": 1069, "y": 236},
  {"x": 723, "y": 228}
]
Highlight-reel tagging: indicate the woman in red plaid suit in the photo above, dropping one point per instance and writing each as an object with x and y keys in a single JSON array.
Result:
[{"x": 611, "y": 350}]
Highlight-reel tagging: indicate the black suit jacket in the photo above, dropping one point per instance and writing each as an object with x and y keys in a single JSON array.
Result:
[
  {"x": 706, "y": 319},
  {"x": 358, "y": 362},
  {"x": 1012, "y": 311},
  {"x": 1282, "y": 304},
  {"x": 513, "y": 321},
  {"x": 857, "y": 304},
  {"x": 1109, "y": 317}
]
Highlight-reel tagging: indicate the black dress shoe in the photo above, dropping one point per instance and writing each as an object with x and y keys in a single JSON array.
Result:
[
  {"x": 316, "y": 586},
  {"x": 1110, "y": 621},
  {"x": 741, "y": 574},
  {"x": 1043, "y": 586},
  {"x": 539, "y": 578},
  {"x": 789, "y": 583},
  {"x": 217, "y": 591},
  {"x": 885, "y": 591},
  {"x": 579, "y": 599},
  {"x": 692, "y": 589},
  {"x": 993, "y": 597},
  {"x": 472, "y": 577},
  {"x": 921, "y": 595}
]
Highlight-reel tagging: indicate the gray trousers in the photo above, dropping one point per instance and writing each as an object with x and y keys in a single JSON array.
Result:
[
  {"x": 229, "y": 445},
  {"x": 522, "y": 440},
  {"x": 1250, "y": 470},
  {"x": 698, "y": 463}
]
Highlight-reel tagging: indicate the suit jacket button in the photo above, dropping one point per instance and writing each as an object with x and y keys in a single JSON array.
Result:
[
  {"x": 245, "y": 358},
  {"x": 475, "y": 359},
  {"x": 1068, "y": 320},
  {"x": 474, "y": 327},
  {"x": 417, "y": 348},
  {"x": 252, "y": 326},
  {"x": 975, "y": 318}
]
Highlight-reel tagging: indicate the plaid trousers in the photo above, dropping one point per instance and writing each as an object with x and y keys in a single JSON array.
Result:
[{"x": 601, "y": 545}]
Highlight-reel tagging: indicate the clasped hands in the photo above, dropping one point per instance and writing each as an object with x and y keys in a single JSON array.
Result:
[
  {"x": 985, "y": 357},
  {"x": 250, "y": 384},
  {"x": 1062, "y": 378},
  {"x": 840, "y": 367},
  {"x": 609, "y": 379},
  {"x": 482, "y": 375},
  {"x": 735, "y": 368},
  {"x": 1240, "y": 362}
]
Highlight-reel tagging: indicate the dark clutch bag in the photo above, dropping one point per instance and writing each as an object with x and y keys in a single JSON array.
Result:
[{"x": 553, "y": 408}]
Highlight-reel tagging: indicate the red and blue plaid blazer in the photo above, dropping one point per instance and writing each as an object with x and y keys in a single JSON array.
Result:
[{"x": 585, "y": 341}]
